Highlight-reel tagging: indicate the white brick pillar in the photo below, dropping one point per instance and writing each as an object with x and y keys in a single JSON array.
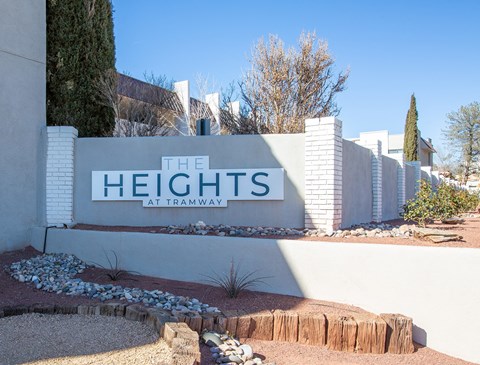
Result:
[
  {"x": 376, "y": 147},
  {"x": 60, "y": 170},
  {"x": 400, "y": 158},
  {"x": 182, "y": 89},
  {"x": 323, "y": 173},
  {"x": 213, "y": 101},
  {"x": 234, "y": 108},
  {"x": 418, "y": 173}
]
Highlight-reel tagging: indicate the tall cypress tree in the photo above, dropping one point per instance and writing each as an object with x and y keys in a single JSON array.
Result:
[
  {"x": 80, "y": 51},
  {"x": 410, "y": 139}
]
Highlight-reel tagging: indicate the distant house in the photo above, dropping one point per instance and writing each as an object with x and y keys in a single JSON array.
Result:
[
  {"x": 393, "y": 143},
  {"x": 143, "y": 109}
]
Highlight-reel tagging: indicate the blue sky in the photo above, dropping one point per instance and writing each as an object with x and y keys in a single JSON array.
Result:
[{"x": 393, "y": 48}]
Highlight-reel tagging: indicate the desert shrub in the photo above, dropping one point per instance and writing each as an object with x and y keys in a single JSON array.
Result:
[
  {"x": 446, "y": 202},
  {"x": 467, "y": 201},
  {"x": 422, "y": 208},
  {"x": 233, "y": 282},
  {"x": 114, "y": 272},
  {"x": 443, "y": 203}
]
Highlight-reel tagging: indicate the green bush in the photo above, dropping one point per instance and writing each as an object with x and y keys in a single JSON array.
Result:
[
  {"x": 467, "y": 201},
  {"x": 422, "y": 208},
  {"x": 446, "y": 202}
]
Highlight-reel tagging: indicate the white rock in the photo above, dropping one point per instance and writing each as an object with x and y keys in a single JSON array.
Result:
[{"x": 247, "y": 351}]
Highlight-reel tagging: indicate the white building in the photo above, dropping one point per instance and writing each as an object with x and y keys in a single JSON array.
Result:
[{"x": 393, "y": 144}]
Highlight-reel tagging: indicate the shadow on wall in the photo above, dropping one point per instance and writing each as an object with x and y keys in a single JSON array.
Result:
[{"x": 175, "y": 253}]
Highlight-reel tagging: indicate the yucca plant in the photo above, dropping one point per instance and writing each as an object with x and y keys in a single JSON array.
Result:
[
  {"x": 233, "y": 282},
  {"x": 114, "y": 272}
]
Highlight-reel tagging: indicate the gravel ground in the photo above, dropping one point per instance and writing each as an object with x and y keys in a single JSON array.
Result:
[
  {"x": 298, "y": 354},
  {"x": 76, "y": 339}
]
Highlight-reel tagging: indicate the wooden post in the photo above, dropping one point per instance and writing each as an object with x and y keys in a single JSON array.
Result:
[
  {"x": 285, "y": 326},
  {"x": 312, "y": 329},
  {"x": 341, "y": 333},
  {"x": 208, "y": 321},
  {"x": 399, "y": 333},
  {"x": 261, "y": 326},
  {"x": 231, "y": 322},
  {"x": 243, "y": 325},
  {"x": 372, "y": 334}
]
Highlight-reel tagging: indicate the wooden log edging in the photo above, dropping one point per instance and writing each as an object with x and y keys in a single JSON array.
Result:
[
  {"x": 178, "y": 335},
  {"x": 362, "y": 333}
]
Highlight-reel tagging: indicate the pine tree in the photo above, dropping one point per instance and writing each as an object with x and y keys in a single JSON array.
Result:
[
  {"x": 80, "y": 51},
  {"x": 410, "y": 139}
]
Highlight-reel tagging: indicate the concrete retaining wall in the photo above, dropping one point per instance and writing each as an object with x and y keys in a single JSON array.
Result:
[{"x": 411, "y": 280}]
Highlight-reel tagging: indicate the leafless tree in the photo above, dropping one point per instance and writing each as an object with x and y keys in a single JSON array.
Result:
[
  {"x": 159, "y": 80},
  {"x": 152, "y": 108},
  {"x": 235, "y": 117},
  {"x": 286, "y": 86},
  {"x": 141, "y": 109},
  {"x": 446, "y": 162},
  {"x": 463, "y": 134}
]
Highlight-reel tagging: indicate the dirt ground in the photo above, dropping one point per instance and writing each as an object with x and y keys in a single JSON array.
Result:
[
  {"x": 469, "y": 230},
  {"x": 13, "y": 292}
]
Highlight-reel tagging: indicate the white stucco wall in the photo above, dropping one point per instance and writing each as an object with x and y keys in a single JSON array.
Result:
[
  {"x": 434, "y": 285},
  {"x": 22, "y": 119}
]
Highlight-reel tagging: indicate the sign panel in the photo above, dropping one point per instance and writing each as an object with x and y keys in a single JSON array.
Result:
[{"x": 188, "y": 181}]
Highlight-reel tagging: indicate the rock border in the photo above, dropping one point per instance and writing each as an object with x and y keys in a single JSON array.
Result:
[{"x": 201, "y": 228}]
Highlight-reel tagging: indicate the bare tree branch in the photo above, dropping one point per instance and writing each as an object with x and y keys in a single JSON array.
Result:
[
  {"x": 463, "y": 135},
  {"x": 140, "y": 109},
  {"x": 286, "y": 86}
]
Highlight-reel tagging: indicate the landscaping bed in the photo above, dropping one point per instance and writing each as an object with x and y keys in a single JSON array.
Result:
[
  {"x": 13, "y": 293},
  {"x": 469, "y": 230}
]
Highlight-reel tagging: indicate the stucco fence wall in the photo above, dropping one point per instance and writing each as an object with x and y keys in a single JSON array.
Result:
[
  {"x": 329, "y": 182},
  {"x": 356, "y": 184},
  {"x": 410, "y": 182},
  {"x": 22, "y": 117},
  {"x": 389, "y": 188},
  {"x": 225, "y": 152},
  {"x": 429, "y": 284}
]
